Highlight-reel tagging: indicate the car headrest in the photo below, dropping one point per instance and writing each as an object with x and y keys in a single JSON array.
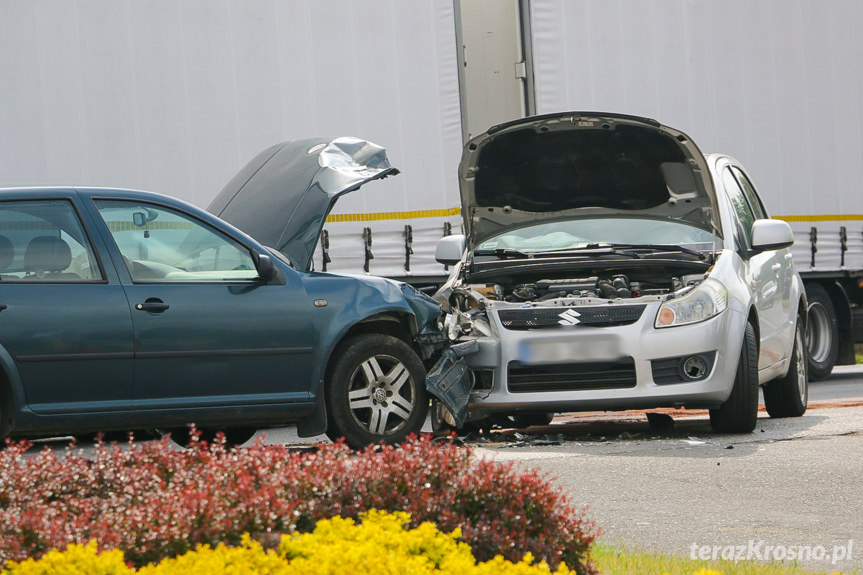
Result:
[
  {"x": 7, "y": 252},
  {"x": 47, "y": 254}
]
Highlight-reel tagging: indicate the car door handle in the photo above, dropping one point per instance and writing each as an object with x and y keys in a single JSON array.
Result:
[
  {"x": 3, "y": 306},
  {"x": 152, "y": 306},
  {"x": 775, "y": 267}
]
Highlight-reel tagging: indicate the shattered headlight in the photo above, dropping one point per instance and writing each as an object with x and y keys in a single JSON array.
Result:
[
  {"x": 708, "y": 299},
  {"x": 457, "y": 324}
]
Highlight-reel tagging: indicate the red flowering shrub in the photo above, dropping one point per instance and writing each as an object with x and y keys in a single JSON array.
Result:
[{"x": 152, "y": 501}]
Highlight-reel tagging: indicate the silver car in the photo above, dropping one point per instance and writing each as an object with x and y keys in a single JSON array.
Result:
[{"x": 608, "y": 264}]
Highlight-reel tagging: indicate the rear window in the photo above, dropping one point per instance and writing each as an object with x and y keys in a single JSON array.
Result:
[{"x": 44, "y": 241}]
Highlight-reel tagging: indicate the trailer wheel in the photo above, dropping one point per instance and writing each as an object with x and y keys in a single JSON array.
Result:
[
  {"x": 739, "y": 413},
  {"x": 788, "y": 396},
  {"x": 822, "y": 332}
]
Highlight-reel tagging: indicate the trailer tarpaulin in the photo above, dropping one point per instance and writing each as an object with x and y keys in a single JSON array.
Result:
[
  {"x": 774, "y": 83},
  {"x": 175, "y": 97}
]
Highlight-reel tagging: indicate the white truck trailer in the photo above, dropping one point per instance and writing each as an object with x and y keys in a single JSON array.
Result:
[{"x": 176, "y": 96}]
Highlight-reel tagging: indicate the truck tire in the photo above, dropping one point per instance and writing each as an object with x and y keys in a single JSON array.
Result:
[
  {"x": 375, "y": 391},
  {"x": 739, "y": 413},
  {"x": 822, "y": 332},
  {"x": 788, "y": 396}
]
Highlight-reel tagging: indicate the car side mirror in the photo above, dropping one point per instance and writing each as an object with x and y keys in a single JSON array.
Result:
[
  {"x": 267, "y": 271},
  {"x": 771, "y": 235},
  {"x": 450, "y": 249}
]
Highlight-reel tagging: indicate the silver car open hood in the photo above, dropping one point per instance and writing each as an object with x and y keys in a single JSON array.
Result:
[
  {"x": 283, "y": 196},
  {"x": 582, "y": 164}
]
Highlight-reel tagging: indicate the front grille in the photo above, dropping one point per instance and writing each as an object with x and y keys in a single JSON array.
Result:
[
  {"x": 543, "y": 317},
  {"x": 571, "y": 376}
]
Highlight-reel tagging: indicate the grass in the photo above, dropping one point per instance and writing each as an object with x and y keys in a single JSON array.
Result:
[
  {"x": 858, "y": 351},
  {"x": 615, "y": 560}
]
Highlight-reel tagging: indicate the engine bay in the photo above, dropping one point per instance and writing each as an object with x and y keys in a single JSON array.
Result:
[{"x": 618, "y": 286}]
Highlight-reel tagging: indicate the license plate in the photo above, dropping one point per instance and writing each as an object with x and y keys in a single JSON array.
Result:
[{"x": 574, "y": 350}]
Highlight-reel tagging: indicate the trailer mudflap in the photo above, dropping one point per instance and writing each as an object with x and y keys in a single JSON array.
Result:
[{"x": 449, "y": 380}]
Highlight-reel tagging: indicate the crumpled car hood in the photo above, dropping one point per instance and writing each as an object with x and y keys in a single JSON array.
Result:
[
  {"x": 283, "y": 196},
  {"x": 582, "y": 164}
]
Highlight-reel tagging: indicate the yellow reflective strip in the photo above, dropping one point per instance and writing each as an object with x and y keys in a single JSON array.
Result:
[
  {"x": 824, "y": 218},
  {"x": 376, "y": 216}
]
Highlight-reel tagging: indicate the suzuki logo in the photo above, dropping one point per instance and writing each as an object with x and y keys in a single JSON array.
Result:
[{"x": 569, "y": 317}]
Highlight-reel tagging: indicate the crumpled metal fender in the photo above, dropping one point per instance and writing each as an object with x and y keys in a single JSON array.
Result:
[{"x": 351, "y": 300}]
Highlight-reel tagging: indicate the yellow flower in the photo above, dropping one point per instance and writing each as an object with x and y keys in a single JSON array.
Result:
[
  {"x": 381, "y": 544},
  {"x": 75, "y": 560}
]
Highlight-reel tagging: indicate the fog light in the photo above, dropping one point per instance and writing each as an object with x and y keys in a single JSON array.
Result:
[
  {"x": 694, "y": 367},
  {"x": 683, "y": 368}
]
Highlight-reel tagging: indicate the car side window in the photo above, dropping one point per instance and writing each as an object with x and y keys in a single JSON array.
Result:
[
  {"x": 44, "y": 241},
  {"x": 751, "y": 194},
  {"x": 745, "y": 216},
  {"x": 161, "y": 245}
]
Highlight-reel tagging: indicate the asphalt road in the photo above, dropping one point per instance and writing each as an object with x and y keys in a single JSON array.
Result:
[{"x": 846, "y": 382}]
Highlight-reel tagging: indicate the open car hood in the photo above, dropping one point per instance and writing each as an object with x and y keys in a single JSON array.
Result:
[
  {"x": 283, "y": 196},
  {"x": 582, "y": 164}
]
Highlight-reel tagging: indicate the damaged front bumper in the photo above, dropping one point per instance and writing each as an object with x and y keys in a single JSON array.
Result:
[
  {"x": 450, "y": 380},
  {"x": 582, "y": 368}
]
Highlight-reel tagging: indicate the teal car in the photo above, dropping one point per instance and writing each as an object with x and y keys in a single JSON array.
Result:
[{"x": 124, "y": 309}]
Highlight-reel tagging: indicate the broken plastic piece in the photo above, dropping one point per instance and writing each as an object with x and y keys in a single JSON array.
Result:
[{"x": 450, "y": 382}]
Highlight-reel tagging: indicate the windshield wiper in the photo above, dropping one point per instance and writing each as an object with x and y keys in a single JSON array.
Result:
[
  {"x": 661, "y": 248},
  {"x": 592, "y": 249},
  {"x": 503, "y": 253}
]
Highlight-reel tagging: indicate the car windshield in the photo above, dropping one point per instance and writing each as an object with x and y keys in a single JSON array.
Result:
[{"x": 583, "y": 233}]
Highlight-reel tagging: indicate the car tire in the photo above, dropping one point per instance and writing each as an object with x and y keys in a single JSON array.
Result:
[
  {"x": 375, "y": 391},
  {"x": 234, "y": 436},
  {"x": 739, "y": 413},
  {"x": 442, "y": 422},
  {"x": 822, "y": 332},
  {"x": 118, "y": 436},
  {"x": 788, "y": 396},
  {"x": 441, "y": 419}
]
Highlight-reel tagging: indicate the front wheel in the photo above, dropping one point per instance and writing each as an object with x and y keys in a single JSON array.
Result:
[
  {"x": 375, "y": 391},
  {"x": 788, "y": 396},
  {"x": 739, "y": 413}
]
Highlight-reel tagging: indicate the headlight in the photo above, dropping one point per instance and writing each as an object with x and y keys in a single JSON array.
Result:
[{"x": 708, "y": 299}]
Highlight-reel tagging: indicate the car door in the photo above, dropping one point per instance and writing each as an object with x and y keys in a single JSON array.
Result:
[
  {"x": 207, "y": 331},
  {"x": 784, "y": 310},
  {"x": 64, "y": 319},
  {"x": 764, "y": 274}
]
